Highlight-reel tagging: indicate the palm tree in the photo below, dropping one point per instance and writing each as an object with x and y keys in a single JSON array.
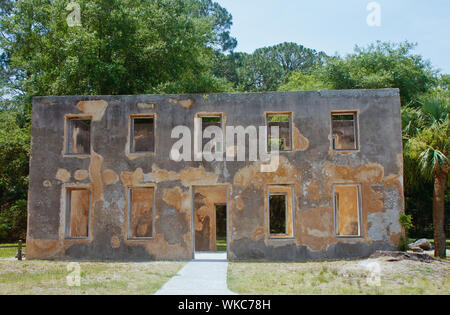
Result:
[{"x": 427, "y": 135}]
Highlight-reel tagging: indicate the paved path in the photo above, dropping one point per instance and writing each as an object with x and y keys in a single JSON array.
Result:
[{"x": 206, "y": 275}]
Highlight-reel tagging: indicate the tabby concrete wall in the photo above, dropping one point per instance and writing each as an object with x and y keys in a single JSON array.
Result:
[{"x": 312, "y": 168}]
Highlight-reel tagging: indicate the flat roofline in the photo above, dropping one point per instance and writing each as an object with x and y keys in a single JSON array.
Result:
[{"x": 388, "y": 92}]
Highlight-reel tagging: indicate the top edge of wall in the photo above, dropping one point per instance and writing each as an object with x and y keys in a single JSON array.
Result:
[{"x": 391, "y": 92}]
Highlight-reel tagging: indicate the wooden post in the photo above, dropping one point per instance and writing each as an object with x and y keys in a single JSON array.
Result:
[{"x": 19, "y": 252}]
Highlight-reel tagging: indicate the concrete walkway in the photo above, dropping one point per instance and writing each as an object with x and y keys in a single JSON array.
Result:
[{"x": 206, "y": 275}]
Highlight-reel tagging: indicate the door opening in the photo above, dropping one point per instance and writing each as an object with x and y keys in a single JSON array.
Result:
[{"x": 210, "y": 218}]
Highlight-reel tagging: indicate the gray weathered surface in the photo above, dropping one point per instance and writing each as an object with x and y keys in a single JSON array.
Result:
[{"x": 312, "y": 169}]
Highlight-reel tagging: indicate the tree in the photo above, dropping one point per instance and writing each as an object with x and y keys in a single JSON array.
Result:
[
  {"x": 304, "y": 82},
  {"x": 380, "y": 65},
  {"x": 293, "y": 57},
  {"x": 444, "y": 85},
  {"x": 258, "y": 74},
  {"x": 14, "y": 153},
  {"x": 267, "y": 68},
  {"x": 427, "y": 133},
  {"x": 222, "y": 21},
  {"x": 122, "y": 47},
  {"x": 227, "y": 66}
]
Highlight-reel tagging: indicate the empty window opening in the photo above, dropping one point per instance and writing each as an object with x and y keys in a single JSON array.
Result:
[
  {"x": 280, "y": 214},
  {"x": 208, "y": 121},
  {"x": 221, "y": 228},
  {"x": 278, "y": 208},
  {"x": 141, "y": 216},
  {"x": 143, "y": 131},
  {"x": 346, "y": 202},
  {"x": 344, "y": 126},
  {"x": 78, "y": 209},
  {"x": 79, "y": 136},
  {"x": 283, "y": 122}
]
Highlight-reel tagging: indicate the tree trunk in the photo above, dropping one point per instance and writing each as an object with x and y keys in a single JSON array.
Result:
[{"x": 440, "y": 186}]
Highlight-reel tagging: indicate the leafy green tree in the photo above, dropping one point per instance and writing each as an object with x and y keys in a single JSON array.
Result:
[
  {"x": 14, "y": 153},
  {"x": 304, "y": 82},
  {"x": 258, "y": 74},
  {"x": 427, "y": 134},
  {"x": 227, "y": 66},
  {"x": 222, "y": 21},
  {"x": 444, "y": 85},
  {"x": 293, "y": 57},
  {"x": 267, "y": 68},
  {"x": 122, "y": 47},
  {"x": 380, "y": 65}
]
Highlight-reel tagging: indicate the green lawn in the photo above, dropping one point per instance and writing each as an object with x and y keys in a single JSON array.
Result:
[
  {"x": 49, "y": 277},
  {"x": 221, "y": 244},
  {"x": 340, "y": 277},
  {"x": 9, "y": 250}
]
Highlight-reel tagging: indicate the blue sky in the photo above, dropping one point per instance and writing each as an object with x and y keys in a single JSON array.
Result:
[{"x": 336, "y": 26}]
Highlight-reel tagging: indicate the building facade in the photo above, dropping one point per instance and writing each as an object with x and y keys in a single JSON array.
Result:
[{"x": 121, "y": 177}]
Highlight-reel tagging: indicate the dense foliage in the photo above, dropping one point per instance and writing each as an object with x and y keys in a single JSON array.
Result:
[
  {"x": 380, "y": 65},
  {"x": 267, "y": 68},
  {"x": 14, "y": 153},
  {"x": 426, "y": 130},
  {"x": 185, "y": 46}
]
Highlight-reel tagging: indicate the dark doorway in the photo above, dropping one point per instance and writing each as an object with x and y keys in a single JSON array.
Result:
[{"x": 221, "y": 228}]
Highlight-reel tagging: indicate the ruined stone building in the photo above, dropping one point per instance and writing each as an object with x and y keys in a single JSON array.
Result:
[{"x": 103, "y": 184}]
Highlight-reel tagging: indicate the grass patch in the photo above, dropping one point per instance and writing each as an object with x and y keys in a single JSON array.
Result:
[
  {"x": 10, "y": 250},
  {"x": 221, "y": 244},
  {"x": 97, "y": 278},
  {"x": 340, "y": 277}
]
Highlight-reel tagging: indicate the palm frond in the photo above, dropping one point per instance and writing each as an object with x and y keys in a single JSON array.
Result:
[
  {"x": 435, "y": 107},
  {"x": 432, "y": 161}
]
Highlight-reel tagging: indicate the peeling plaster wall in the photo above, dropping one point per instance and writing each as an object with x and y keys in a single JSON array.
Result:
[{"x": 312, "y": 168}]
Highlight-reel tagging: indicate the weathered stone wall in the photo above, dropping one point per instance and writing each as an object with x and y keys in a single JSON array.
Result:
[{"x": 312, "y": 168}]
